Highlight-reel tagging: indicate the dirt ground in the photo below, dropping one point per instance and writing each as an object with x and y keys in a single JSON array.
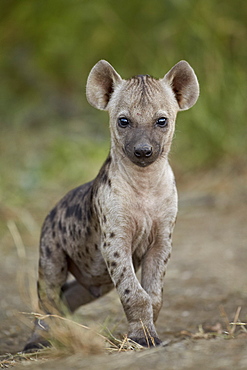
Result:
[{"x": 205, "y": 288}]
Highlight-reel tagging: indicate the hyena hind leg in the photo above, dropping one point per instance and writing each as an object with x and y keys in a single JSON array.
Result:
[
  {"x": 75, "y": 295},
  {"x": 50, "y": 282}
]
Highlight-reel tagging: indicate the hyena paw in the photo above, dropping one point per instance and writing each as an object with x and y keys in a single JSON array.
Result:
[
  {"x": 147, "y": 342},
  {"x": 36, "y": 346}
]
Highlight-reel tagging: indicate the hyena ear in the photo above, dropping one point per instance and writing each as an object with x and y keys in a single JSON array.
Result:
[
  {"x": 101, "y": 83},
  {"x": 184, "y": 84}
]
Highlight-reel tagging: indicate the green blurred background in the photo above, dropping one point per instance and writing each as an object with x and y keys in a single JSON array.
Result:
[{"x": 52, "y": 140}]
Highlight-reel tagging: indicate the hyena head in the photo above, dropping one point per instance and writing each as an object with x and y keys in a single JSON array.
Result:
[{"x": 142, "y": 109}]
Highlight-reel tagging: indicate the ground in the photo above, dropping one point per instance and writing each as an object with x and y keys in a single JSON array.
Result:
[{"x": 205, "y": 289}]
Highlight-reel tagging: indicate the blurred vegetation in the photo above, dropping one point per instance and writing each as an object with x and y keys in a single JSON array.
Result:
[{"x": 52, "y": 140}]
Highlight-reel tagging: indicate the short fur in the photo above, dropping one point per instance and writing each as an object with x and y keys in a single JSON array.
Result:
[{"x": 103, "y": 231}]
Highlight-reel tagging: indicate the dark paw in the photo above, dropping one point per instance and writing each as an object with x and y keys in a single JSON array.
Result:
[
  {"x": 147, "y": 342},
  {"x": 34, "y": 347}
]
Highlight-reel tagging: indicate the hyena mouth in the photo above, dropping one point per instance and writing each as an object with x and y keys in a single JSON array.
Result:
[
  {"x": 143, "y": 162},
  {"x": 142, "y": 155}
]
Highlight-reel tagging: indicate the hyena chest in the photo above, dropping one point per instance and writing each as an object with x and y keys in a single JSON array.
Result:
[{"x": 143, "y": 237}]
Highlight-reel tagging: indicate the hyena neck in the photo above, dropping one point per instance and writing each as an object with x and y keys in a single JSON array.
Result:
[{"x": 140, "y": 178}]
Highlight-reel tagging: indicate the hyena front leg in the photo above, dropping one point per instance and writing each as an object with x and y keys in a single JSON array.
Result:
[
  {"x": 153, "y": 273},
  {"x": 136, "y": 302}
]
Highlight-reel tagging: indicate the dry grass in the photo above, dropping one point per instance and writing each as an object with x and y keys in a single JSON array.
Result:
[
  {"x": 70, "y": 337},
  {"x": 228, "y": 331}
]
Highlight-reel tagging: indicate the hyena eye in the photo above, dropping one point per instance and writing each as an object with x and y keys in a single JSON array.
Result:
[
  {"x": 162, "y": 122},
  {"x": 123, "y": 122}
]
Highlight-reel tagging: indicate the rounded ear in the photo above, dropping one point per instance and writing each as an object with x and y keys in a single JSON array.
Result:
[
  {"x": 101, "y": 83},
  {"x": 184, "y": 84}
]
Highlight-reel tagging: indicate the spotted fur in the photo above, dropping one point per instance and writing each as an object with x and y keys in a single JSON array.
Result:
[{"x": 104, "y": 230}]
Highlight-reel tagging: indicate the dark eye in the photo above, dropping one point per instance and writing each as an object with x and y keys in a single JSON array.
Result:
[
  {"x": 162, "y": 122},
  {"x": 123, "y": 122}
]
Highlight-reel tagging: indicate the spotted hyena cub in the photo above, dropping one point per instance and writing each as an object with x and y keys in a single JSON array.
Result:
[{"x": 104, "y": 230}]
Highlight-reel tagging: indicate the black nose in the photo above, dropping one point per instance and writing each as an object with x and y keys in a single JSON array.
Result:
[{"x": 143, "y": 151}]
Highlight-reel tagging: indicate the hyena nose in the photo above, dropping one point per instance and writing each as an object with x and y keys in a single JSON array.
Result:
[{"x": 143, "y": 151}]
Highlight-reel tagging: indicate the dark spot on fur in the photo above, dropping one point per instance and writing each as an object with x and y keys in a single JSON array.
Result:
[
  {"x": 111, "y": 271},
  {"x": 43, "y": 232},
  {"x": 62, "y": 269},
  {"x": 87, "y": 250},
  {"x": 170, "y": 235},
  {"x": 78, "y": 212},
  {"x": 96, "y": 247},
  {"x": 64, "y": 230},
  {"x": 104, "y": 178},
  {"x": 112, "y": 235},
  {"x": 58, "y": 246},
  {"x": 116, "y": 254},
  {"x": 109, "y": 183},
  {"x": 127, "y": 291},
  {"x": 64, "y": 203},
  {"x": 118, "y": 283},
  {"x": 89, "y": 214},
  {"x": 108, "y": 161},
  {"x": 84, "y": 220},
  {"x": 60, "y": 225},
  {"x": 124, "y": 269},
  {"x": 88, "y": 231},
  {"x": 74, "y": 210},
  {"x": 91, "y": 195},
  {"x": 104, "y": 245},
  {"x": 113, "y": 264},
  {"x": 53, "y": 234},
  {"x": 48, "y": 252},
  {"x": 86, "y": 265},
  {"x": 69, "y": 211},
  {"x": 64, "y": 241},
  {"x": 104, "y": 219},
  {"x": 53, "y": 214}
]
